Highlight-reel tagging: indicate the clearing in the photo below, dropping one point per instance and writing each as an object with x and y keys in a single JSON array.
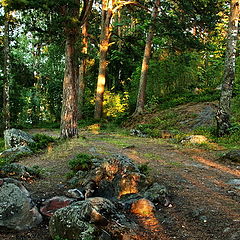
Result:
[{"x": 205, "y": 205}]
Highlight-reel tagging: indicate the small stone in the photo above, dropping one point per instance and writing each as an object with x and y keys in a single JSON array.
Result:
[
  {"x": 226, "y": 229},
  {"x": 234, "y": 181},
  {"x": 203, "y": 219},
  {"x": 195, "y": 139},
  {"x": 75, "y": 193}
]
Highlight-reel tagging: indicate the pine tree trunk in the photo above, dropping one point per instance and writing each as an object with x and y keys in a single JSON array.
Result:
[
  {"x": 82, "y": 71},
  {"x": 69, "y": 126},
  {"x": 6, "y": 71},
  {"x": 223, "y": 112},
  {"x": 104, "y": 45},
  {"x": 145, "y": 64}
]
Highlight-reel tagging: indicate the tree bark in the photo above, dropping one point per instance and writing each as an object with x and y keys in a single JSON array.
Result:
[
  {"x": 69, "y": 126},
  {"x": 6, "y": 72},
  {"x": 223, "y": 112},
  {"x": 107, "y": 12},
  {"x": 82, "y": 71},
  {"x": 145, "y": 63}
]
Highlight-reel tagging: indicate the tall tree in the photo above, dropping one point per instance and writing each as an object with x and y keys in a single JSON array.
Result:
[
  {"x": 69, "y": 126},
  {"x": 109, "y": 9},
  {"x": 107, "y": 13},
  {"x": 69, "y": 115},
  {"x": 223, "y": 112},
  {"x": 82, "y": 70},
  {"x": 145, "y": 63},
  {"x": 6, "y": 87}
]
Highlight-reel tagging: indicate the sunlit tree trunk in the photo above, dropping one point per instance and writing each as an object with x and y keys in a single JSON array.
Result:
[
  {"x": 145, "y": 63},
  {"x": 82, "y": 71},
  {"x": 223, "y": 112},
  {"x": 69, "y": 126},
  {"x": 107, "y": 7},
  {"x": 6, "y": 71}
]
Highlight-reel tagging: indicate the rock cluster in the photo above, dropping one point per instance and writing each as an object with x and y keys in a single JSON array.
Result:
[{"x": 114, "y": 191}]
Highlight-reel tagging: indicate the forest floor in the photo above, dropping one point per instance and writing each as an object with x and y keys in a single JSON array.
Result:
[{"x": 204, "y": 203}]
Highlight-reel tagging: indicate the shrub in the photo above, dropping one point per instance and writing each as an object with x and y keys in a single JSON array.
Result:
[
  {"x": 144, "y": 168},
  {"x": 81, "y": 162},
  {"x": 3, "y": 162},
  {"x": 41, "y": 142}
]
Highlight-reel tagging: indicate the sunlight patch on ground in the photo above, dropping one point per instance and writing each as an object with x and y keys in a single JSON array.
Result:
[{"x": 217, "y": 166}]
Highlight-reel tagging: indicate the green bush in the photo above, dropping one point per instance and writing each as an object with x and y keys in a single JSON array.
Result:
[
  {"x": 59, "y": 238},
  {"x": 81, "y": 162},
  {"x": 3, "y": 162},
  {"x": 41, "y": 142},
  {"x": 144, "y": 168}
]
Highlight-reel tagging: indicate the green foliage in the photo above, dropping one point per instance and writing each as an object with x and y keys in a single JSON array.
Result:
[
  {"x": 115, "y": 104},
  {"x": 41, "y": 142},
  {"x": 114, "y": 126},
  {"x": 144, "y": 168},
  {"x": 2, "y": 144},
  {"x": 231, "y": 141},
  {"x": 166, "y": 121},
  {"x": 3, "y": 162},
  {"x": 81, "y": 162},
  {"x": 176, "y": 99},
  {"x": 174, "y": 78},
  {"x": 59, "y": 238},
  {"x": 69, "y": 175},
  {"x": 36, "y": 171}
]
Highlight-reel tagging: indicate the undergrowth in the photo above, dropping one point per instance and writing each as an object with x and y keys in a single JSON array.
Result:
[
  {"x": 2, "y": 144},
  {"x": 42, "y": 141},
  {"x": 81, "y": 161},
  {"x": 175, "y": 99}
]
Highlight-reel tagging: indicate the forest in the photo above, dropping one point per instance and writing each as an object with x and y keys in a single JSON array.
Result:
[
  {"x": 108, "y": 60},
  {"x": 156, "y": 83}
]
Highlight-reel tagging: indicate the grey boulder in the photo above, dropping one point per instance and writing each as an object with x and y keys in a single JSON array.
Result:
[
  {"x": 16, "y": 137},
  {"x": 78, "y": 220},
  {"x": 17, "y": 212},
  {"x": 15, "y": 152}
]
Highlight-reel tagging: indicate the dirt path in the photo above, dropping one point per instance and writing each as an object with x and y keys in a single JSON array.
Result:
[{"x": 204, "y": 203}]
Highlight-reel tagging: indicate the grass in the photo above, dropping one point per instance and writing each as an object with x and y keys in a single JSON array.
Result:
[
  {"x": 115, "y": 141},
  {"x": 175, "y": 164},
  {"x": 152, "y": 156}
]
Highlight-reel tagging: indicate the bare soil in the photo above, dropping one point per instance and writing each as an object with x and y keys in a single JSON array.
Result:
[{"x": 203, "y": 203}]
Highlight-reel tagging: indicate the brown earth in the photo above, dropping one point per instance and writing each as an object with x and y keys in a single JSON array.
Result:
[{"x": 203, "y": 203}]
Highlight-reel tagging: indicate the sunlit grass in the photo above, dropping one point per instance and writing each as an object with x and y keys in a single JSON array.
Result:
[
  {"x": 115, "y": 141},
  {"x": 152, "y": 156},
  {"x": 175, "y": 164}
]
